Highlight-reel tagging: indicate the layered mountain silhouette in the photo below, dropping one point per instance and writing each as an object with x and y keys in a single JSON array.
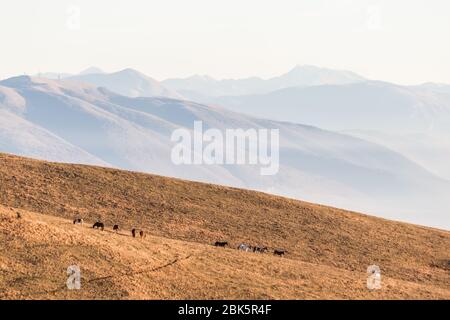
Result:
[
  {"x": 128, "y": 82},
  {"x": 415, "y": 118},
  {"x": 203, "y": 87},
  {"x": 75, "y": 122},
  {"x": 371, "y": 105}
]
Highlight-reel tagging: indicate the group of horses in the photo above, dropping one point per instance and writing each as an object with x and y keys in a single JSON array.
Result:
[
  {"x": 116, "y": 228},
  {"x": 250, "y": 248},
  {"x": 135, "y": 232}
]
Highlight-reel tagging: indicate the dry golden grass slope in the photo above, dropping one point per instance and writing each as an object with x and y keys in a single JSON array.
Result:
[{"x": 329, "y": 249}]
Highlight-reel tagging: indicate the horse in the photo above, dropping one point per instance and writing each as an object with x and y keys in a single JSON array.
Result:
[
  {"x": 221, "y": 243},
  {"x": 260, "y": 249},
  {"x": 279, "y": 252},
  {"x": 116, "y": 228},
  {"x": 244, "y": 247},
  {"x": 99, "y": 225},
  {"x": 78, "y": 221}
]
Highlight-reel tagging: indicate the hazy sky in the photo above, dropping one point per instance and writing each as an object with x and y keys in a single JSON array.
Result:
[{"x": 404, "y": 41}]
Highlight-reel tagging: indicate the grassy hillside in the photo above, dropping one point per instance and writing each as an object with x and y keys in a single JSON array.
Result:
[{"x": 329, "y": 249}]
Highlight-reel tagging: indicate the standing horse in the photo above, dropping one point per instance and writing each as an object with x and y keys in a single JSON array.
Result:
[
  {"x": 279, "y": 252},
  {"x": 99, "y": 225},
  {"x": 221, "y": 243},
  {"x": 260, "y": 249},
  {"x": 78, "y": 221},
  {"x": 244, "y": 247}
]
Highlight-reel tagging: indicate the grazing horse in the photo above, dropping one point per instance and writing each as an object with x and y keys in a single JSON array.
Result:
[
  {"x": 279, "y": 252},
  {"x": 260, "y": 249},
  {"x": 142, "y": 234},
  {"x": 221, "y": 243},
  {"x": 99, "y": 225},
  {"x": 78, "y": 221},
  {"x": 116, "y": 228},
  {"x": 133, "y": 232},
  {"x": 244, "y": 247}
]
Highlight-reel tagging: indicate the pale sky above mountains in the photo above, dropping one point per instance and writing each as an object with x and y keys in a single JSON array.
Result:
[{"x": 398, "y": 41}]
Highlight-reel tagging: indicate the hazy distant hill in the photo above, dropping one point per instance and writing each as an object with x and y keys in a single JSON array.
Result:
[
  {"x": 416, "y": 118},
  {"x": 371, "y": 105},
  {"x": 91, "y": 70},
  {"x": 127, "y": 82},
  {"x": 200, "y": 88},
  {"x": 428, "y": 150}
]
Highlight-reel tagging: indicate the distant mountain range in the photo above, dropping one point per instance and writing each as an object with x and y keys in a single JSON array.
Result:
[
  {"x": 133, "y": 83},
  {"x": 201, "y": 87},
  {"x": 127, "y": 82},
  {"x": 415, "y": 118},
  {"x": 369, "y": 105},
  {"x": 74, "y": 122}
]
